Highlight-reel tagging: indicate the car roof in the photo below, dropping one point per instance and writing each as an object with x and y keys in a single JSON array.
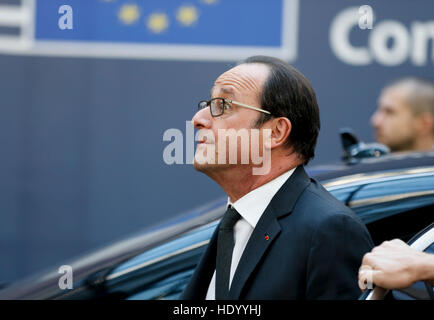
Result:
[{"x": 392, "y": 161}]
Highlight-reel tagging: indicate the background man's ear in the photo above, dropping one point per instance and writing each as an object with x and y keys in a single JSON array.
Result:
[{"x": 426, "y": 121}]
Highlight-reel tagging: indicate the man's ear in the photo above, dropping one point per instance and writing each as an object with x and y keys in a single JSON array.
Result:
[
  {"x": 280, "y": 130},
  {"x": 425, "y": 123}
]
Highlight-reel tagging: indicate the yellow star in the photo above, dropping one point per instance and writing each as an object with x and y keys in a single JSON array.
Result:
[
  {"x": 209, "y": 1},
  {"x": 187, "y": 15},
  {"x": 158, "y": 22},
  {"x": 129, "y": 13}
]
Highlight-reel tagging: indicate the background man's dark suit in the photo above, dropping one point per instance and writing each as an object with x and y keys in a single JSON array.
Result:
[{"x": 314, "y": 249}]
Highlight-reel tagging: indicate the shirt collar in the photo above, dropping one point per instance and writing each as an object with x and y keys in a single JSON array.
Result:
[{"x": 252, "y": 205}]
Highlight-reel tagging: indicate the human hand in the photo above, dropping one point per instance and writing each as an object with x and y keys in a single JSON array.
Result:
[{"x": 394, "y": 265}]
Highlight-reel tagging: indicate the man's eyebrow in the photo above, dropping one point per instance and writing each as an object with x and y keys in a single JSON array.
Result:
[{"x": 226, "y": 90}]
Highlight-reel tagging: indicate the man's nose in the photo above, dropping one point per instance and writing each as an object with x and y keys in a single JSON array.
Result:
[
  {"x": 202, "y": 119},
  {"x": 375, "y": 119}
]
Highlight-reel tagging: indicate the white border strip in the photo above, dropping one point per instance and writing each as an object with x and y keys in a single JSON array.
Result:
[{"x": 22, "y": 17}]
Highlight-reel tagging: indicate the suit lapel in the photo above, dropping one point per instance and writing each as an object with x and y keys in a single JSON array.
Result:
[{"x": 268, "y": 228}]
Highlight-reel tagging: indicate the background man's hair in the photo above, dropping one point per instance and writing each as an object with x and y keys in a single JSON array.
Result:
[
  {"x": 419, "y": 93},
  {"x": 287, "y": 93}
]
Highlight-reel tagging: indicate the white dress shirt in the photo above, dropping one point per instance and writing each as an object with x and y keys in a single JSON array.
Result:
[{"x": 250, "y": 207}]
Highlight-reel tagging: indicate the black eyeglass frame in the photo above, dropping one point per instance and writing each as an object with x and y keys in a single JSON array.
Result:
[{"x": 208, "y": 103}]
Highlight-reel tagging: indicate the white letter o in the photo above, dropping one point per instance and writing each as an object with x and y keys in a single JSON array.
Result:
[{"x": 378, "y": 42}]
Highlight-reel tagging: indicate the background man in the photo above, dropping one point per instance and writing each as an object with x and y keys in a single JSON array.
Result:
[
  {"x": 404, "y": 119},
  {"x": 283, "y": 235}
]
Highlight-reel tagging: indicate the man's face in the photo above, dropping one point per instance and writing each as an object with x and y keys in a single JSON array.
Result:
[
  {"x": 393, "y": 121},
  {"x": 243, "y": 84}
]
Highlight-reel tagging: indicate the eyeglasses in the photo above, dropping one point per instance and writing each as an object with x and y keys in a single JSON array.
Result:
[{"x": 219, "y": 105}]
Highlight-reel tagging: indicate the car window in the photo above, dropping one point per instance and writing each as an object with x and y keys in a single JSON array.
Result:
[
  {"x": 395, "y": 207},
  {"x": 401, "y": 193},
  {"x": 403, "y": 225},
  {"x": 162, "y": 272}
]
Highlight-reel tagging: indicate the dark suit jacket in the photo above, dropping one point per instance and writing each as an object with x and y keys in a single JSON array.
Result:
[{"x": 314, "y": 249}]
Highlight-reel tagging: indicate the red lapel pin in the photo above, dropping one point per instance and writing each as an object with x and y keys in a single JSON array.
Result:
[{"x": 267, "y": 237}]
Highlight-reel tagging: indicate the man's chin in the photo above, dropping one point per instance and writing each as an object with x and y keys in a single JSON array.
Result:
[
  {"x": 380, "y": 139},
  {"x": 199, "y": 166},
  {"x": 208, "y": 167},
  {"x": 202, "y": 166}
]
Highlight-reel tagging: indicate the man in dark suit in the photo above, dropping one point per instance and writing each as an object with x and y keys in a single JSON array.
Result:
[{"x": 283, "y": 235}]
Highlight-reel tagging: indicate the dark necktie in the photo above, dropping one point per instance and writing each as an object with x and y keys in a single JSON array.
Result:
[{"x": 225, "y": 247}]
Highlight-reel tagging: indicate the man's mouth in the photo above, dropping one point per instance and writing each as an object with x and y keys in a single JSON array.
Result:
[{"x": 203, "y": 141}]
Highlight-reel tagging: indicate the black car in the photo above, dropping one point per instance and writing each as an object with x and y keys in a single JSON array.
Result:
[{"x": 393, "y": 195}]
